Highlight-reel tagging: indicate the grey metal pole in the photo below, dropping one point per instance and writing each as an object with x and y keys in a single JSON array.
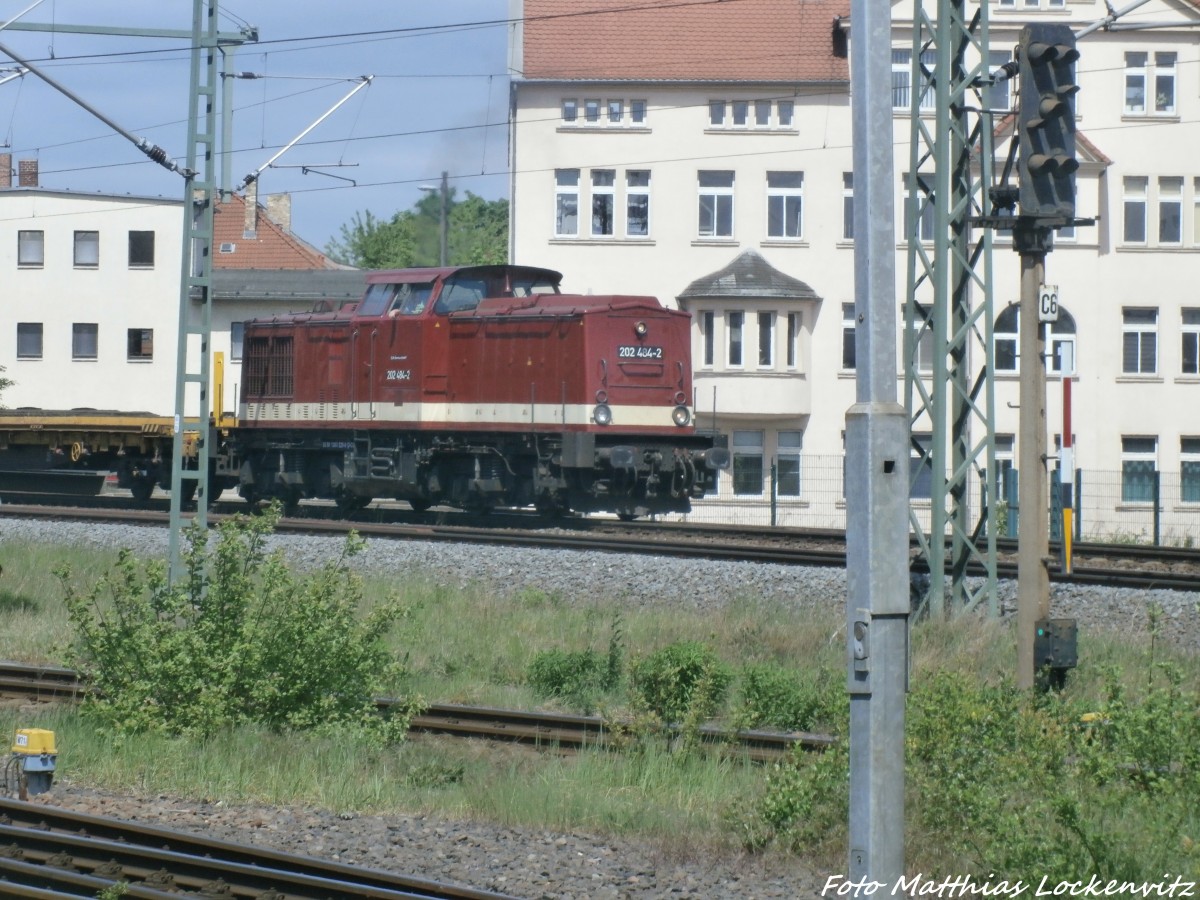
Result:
[
  {"x": 1033, "y": 528},
  {"x": 877, "y": 449}
]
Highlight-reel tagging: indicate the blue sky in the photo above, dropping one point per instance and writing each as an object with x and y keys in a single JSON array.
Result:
[{"x": 438, "y": 100}]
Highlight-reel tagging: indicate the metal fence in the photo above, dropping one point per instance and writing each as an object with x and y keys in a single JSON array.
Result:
[{"x": 1111, "y": 506}]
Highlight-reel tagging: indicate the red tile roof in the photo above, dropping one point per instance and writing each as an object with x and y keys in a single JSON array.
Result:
[
  {"x": 683, "y": 40},
  {"x": 272, "y": 247}
]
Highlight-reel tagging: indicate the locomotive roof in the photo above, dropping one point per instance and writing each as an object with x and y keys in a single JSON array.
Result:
[
  {"x": 560, "y": 304},
  {"x": 431, "y": 273}
]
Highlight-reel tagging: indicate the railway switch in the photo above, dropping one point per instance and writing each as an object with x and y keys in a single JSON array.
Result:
[{"x": 33, "y": 755}]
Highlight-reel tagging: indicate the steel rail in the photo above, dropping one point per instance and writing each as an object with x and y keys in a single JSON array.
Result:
[
  {"x": 540, "y": 729},
  {"x": 90, "y": 844}
]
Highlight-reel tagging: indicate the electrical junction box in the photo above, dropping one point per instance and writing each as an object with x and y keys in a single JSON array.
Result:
[
  {"x": 34, "y": 742},
  {"x": 1054, "y": 644},
  {"x": 36, "y": 752}
]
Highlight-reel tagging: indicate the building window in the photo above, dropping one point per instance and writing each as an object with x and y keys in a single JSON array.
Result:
[
  {"x": 848, "y": 324},
  {"x": 85, "y": 340},
  {"x": 1164, "y": 83},
  {"x": 1135, "y": 83},
  {"x": 1170, "y": 210},
  {"x": 762, "y": 113},
  {"x": 237, "y": 333},
  {"x": 140, "y": 343},
  {"x": 708, "y": 328},
  {"x": 795, "y": 322},
  {"x": 716, "y": 113},
  {"x": 1139, "y": 335},
  {"x": 766, "y": 340},
  {"x": 29, "y": 340},
  {"x": 1006, "y": 337},
  {"x": 566, "y": 202},
  {"x": 1190, "y": 357},
  {"x": 716, "y": 204},
  {"x": 1004, "y": 465},
  {"x": 921, "y": 334},
  {"x": 748, "y": 463},
  {"x": 741, "y": 113},
  {"x": 918, "y": 201},
  {"x": 785, "y": 205},
  {"x": 1189, "y": 469},
  {"x": 733, "y": 325},
  {"x": 616, "y": 111},
  {"x": 996, "y": 97},
  {"x": 637, "y": 111},
  {"x": 31, "y": 248},
  {"x": 847, "y": 206},
  {"x": 920, "y": 471},
  {"x": 786, "y": 111},
  {"x": 902, "y": 79},
  {"x": 787, "y": 465},
  {"x": 1134, "y": 203},
  {"x": 637, "y": 203},
  {"x": 603, "y": 202},
  {"x": 1139, "y": 462},
  {"x": 1139, "y": 74},
  {"x": 570, "y": 110},
  {"x": 591, "y": 111},
  {"x": 87, "y": 249},
  {"x": 1196, "y": 211},
  {"x": 141, "y": 249}
]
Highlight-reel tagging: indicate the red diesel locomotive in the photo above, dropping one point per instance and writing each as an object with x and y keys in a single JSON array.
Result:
[{"x": 475, "y": 387}]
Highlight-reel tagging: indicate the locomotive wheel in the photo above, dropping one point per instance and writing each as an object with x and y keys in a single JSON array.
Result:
[
  {"x": 626, "y": 516},
  {"x": 420, "y": 505},
  {"x": 187, "y": 490}
]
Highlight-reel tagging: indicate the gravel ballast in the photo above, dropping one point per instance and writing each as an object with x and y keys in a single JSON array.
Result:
[{"x": 528, "y": 863}]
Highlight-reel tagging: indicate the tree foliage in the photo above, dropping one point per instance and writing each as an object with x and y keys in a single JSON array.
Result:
[{"x": 477, "y": 232}]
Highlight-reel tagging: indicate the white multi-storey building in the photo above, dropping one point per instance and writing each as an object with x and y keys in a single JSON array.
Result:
[{"x": 702, "y": 153}]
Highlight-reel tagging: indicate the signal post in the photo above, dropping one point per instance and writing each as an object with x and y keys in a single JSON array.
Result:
[{"x": 1046, "y": 58}]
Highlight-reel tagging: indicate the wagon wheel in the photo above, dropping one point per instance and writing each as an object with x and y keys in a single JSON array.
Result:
[
  {"x": 626, "y": 516},
  {"x": 142, "y": 488},
  {"x": 420, "y": 504},
  {"x": 348, "y": 504}
]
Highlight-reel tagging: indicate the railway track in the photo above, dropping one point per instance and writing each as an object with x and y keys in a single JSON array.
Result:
[
  {"x": 1110, "y": 565},
  {"x": 559, "y": 731},
  {"x": 53, "y": 853}
]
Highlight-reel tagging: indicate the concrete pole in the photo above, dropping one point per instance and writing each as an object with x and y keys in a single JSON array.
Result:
[
  {"x": 1033, "y": 529},
  {"x": 877, "y": 451}
]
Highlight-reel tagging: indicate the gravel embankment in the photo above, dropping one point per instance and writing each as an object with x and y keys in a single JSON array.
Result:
[{"x": 533, "y": 864}]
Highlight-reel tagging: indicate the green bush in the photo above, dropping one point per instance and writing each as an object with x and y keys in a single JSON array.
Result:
[
  {"x": 580, "y": 677},
  {"x": 1020, "y": 783},
  {"x": 681, "y": 681},
  {"x": 237, "y": 639},
  {"x": 774, "y": 697}
]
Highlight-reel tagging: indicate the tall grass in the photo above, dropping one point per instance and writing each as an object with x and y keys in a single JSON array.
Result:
[{"x": 476, "y": 645}]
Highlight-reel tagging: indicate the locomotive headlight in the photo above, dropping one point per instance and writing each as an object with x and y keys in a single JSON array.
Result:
[
  {"x": 681, "y": 415},
  {"x": 602, "y": 414},
  {"x": 640, "y": 329}
]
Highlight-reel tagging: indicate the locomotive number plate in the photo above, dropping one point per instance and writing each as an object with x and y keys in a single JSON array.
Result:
[
  {"x": 399, "y": 375},
  {"x": 637, "y": 351}
]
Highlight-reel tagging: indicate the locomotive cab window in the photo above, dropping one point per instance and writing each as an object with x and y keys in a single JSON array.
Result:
[
  {"x": 411, "y": 299},
  {"x": 527, "y": 287},
  {"x": 379, "y": 298},
  {"x": 460, "y": 294}
]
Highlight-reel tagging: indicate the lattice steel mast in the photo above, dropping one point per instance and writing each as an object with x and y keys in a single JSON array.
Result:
[{"x": 950, "y": 169}]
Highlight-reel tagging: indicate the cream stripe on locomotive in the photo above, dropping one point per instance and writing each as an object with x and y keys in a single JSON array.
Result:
[{"x": 452, "y": 415}]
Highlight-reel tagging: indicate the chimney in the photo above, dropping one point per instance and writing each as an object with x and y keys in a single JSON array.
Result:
[
  {"x": 250, "y": 197},
  {"x": 27, "y": 173},
  {"x": 5, "y": 170},
  {"x": 279, "y": 210}
]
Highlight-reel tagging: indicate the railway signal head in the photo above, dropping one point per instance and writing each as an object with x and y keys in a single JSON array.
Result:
[{"x": 1046, "y": 57}]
